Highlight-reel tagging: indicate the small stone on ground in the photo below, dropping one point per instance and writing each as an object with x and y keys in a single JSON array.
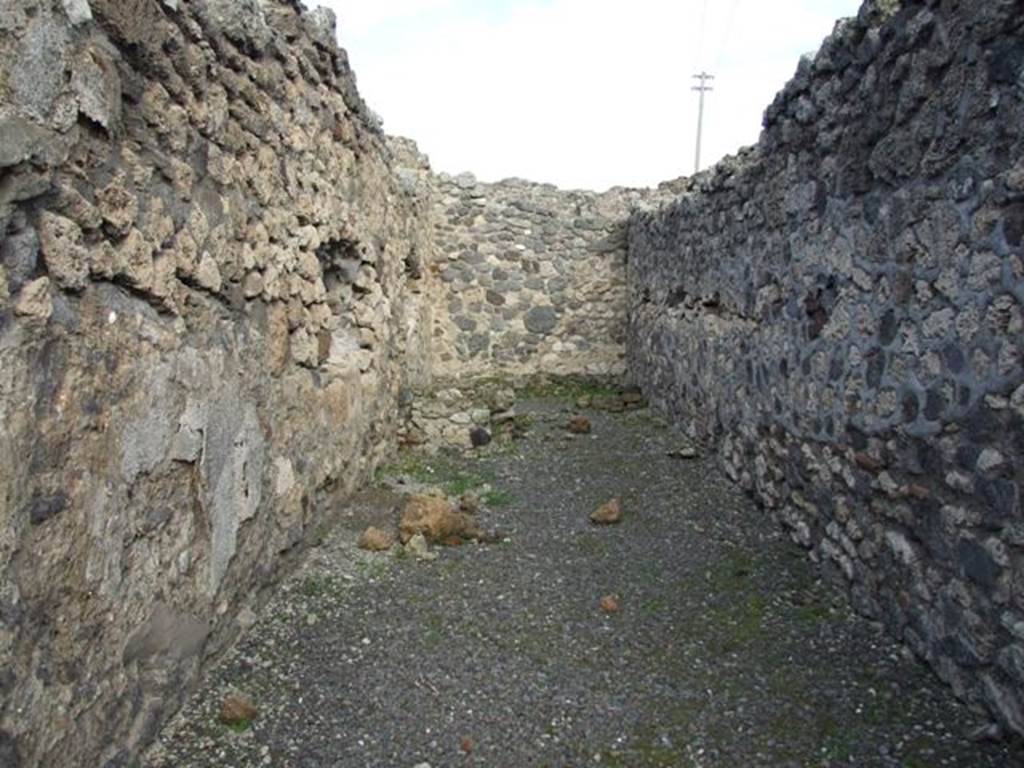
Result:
[
  {"x": 376, "y": 540},
  {"x": 608, "y": 513},
  {"x": 237, "y": 710},
  {"x": 610, "y": 604},
  {"x": 579, "y": 425}
]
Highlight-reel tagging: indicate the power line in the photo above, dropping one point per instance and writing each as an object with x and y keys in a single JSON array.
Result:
[{"x": 702, "y": 89}]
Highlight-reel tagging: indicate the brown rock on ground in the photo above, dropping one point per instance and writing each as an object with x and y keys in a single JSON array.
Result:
[
  {"x": 237, "y": 710},
  {"x": 434, "y": 517},
  {"x": 579, "y": 425},
  {"x": 375, "y": 540},
  {"x": 610, "y": 604},
  {"x": 608, "y": 513}
]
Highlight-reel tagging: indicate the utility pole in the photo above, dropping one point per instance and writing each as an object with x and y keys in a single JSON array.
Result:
[{"x": 702, "y": 89}]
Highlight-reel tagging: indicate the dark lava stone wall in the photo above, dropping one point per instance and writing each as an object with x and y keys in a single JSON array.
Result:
[{"x": 838, "y": 311}]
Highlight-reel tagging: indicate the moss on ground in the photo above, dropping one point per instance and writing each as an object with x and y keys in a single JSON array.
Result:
[
  {"x": 449, "y": 475},
  {"x": 320, "y": 586},
  {"x": 569, "y": 388}
]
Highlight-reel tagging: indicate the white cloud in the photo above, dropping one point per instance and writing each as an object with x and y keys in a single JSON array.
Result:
[{"x": 582, "y": 93}]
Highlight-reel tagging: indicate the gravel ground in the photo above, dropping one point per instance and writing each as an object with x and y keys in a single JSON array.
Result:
[{"x": 726, "y": 651}]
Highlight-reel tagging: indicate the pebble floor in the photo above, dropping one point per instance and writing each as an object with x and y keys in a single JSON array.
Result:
[{"x": 726, "y": 650}]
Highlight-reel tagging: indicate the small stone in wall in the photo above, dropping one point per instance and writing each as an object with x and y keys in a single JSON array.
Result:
[
  {"x": 541, "y": 320},
  {"x": 501, "y": 400},
  {"x": 118, "y": 206},
  {"x": 867, "y": 462},
  {"x": 66, "y": 259},
  {"x": 611, "y": 403},
  {"x": 633, "y": 399},
  {"x": 504, "y": 417},
  {"x": 35, "y": 300},
  {"x": 19, "y": 253},
  {"x": 608, "y": 513},
  {"x": 252, "y": 285},
  {"x": 78, "y": 11},
  {"x": 479, "y": 437},
  {"x": 375, "y": 540},
  {"x": 990, "y": 460}
]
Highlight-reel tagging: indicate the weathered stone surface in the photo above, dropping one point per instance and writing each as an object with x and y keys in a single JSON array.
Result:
[
  {"x": 97, "y": 86},
  {"x": 167, "y": 633},
  {"x": 20, "y": 139},
  {"x": 19, "y": 253},
  {"x": 38, "y": 60},
  {"x": 78, "y": 11},
  {"x": 35, "y": 301},
  {"x": 541, "y": 320},
  {"x": 823, "y": 310},
  {"x": 242, "y": 21},
  {"x": 535, "y": 280},
  {"x": 67, "y": 260},
  {"x": 172, "y": 213},
  {"x": 217, "y": 277}
]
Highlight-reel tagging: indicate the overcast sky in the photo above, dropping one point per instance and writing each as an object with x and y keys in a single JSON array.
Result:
[{"x": 581, "y": 93}]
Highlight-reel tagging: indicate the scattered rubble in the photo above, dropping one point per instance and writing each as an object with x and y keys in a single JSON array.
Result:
[
  {"x": 434, "y": 517},
  {"x": 237, "y": 710},
  {"x": 608, "y": 513},
  {"x": 418, "y": 548},
  {"x": 375, "y": 540},
  {"x": 579, "y": 425},
  {"x": 610, "y": 604}
]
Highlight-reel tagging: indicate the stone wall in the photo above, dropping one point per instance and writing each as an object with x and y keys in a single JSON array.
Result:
[
  {"x": 219, "y": 282},
  {"x": 839, "y": 312},
  {"x": 211, "y": 294},
  {"x": 534, "y": 278}
]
